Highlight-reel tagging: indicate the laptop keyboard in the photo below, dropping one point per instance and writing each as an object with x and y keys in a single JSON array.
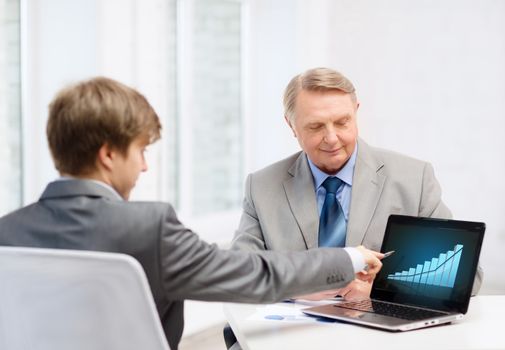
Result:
[{"x": 387, "y": 309}]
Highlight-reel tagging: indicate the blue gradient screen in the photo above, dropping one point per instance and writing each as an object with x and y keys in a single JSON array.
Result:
[{"x": 434, "y": 263}]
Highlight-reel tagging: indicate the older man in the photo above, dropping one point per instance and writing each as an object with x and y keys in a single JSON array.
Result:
[{"x": 338, "y": 191}]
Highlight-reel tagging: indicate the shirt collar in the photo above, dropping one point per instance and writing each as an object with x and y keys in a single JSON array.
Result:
[
  {"x": 345, "y": 174},
  {"x": 100, "y": 183}
]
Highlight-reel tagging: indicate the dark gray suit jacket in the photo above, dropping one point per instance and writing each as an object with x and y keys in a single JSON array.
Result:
[{"x": 80, "y": 214}]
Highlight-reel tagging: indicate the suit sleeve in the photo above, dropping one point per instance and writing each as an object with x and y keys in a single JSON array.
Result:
[
  {"x": 432, "y": 206},
  {"x": 431, "y": 197},
  {"x": 249, "y": 235},
  {"x": 194, "y": 269}
]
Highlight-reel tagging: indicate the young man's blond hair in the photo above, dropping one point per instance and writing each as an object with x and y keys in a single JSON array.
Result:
[{"x": 85, "y": 116}]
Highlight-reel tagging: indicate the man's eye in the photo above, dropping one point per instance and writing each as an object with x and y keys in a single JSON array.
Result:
[{"x": 343, "y": 122}]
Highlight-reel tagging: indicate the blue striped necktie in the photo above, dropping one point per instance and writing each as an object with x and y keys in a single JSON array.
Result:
[{"x": 332, "y": 225}]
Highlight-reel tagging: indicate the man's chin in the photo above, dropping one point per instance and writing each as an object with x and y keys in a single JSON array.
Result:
[{"x": 333, "y": 166}]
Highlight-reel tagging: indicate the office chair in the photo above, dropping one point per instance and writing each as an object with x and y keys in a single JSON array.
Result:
[{"x": 60, "y": 299}]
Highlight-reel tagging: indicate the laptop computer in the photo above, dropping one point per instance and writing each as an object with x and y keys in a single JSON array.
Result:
[{"x": 427, "y": 281}]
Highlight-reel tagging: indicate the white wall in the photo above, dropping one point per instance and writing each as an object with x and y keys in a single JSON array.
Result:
[
  {"x": 55, "y": 51},
  {"x": 272, "y": 61},
  {"x": 430, "y": 76}
]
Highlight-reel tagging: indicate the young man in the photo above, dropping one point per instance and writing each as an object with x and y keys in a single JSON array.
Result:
[{"x": 97, "y": 132}]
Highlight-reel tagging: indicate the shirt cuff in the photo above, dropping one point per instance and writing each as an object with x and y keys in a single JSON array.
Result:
[{"x": 358, "y": 261}]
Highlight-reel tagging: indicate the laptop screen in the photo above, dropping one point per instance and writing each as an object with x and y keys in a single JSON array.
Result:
[{"x": 434, "y": 263}]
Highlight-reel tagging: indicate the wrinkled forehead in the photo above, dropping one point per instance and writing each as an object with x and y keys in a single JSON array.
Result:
[{"x": 329, "y": 101}]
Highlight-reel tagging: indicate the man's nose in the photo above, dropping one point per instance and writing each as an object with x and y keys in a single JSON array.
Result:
[{"x": 331, "y": 135}]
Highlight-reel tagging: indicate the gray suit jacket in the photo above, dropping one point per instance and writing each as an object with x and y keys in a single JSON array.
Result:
[
  {"x": 80, "y": 214},
  {"x": 280, "y": 209}
]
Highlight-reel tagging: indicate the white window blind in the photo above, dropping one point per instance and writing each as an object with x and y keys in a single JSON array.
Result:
[{"x": 10, "y": 106}]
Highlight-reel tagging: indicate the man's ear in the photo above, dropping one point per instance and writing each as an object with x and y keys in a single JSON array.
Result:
[
  {"x": 105, "y": 157},
  {"x": 290, "y": 125}
]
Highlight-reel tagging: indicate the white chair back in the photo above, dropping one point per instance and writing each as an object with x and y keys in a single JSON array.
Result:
[{"x": 54, "y": 299}]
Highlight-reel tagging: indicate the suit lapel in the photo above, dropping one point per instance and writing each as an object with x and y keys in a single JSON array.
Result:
[
  {"x": 302, "y": 200},
  {"x": 366, "y": 190}
]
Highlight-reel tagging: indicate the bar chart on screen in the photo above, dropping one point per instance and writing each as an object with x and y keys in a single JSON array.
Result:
[{"x": 438, "y": 271}]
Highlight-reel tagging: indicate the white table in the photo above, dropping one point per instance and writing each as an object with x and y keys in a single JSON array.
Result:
[{"x": 483, "y": 327}]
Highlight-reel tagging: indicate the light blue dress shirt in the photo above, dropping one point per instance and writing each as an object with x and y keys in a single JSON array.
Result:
[
  {"x": 344, "y": 192},
  {"x": 343, "y": 196}
]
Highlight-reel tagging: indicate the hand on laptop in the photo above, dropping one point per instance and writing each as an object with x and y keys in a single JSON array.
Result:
[
  {"x": 372, "y": 260},
  {"x": 356, "y": 290},
  {"x": 327, "y": 294}
]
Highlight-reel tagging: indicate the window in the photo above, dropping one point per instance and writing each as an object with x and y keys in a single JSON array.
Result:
[
  {"x": 136, "y": 44},
  {"x": 185, "y": 56},
  {"x": 10, "y": 106},
  {"x": 210, "y": 122}
]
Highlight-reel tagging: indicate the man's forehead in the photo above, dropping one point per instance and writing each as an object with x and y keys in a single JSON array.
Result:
[
  {"x": 315, "y": 108},
  {"x": 320, "y": 118},
  {"x": 324, "y": 91},
  {"x": 335, "y": 98}
]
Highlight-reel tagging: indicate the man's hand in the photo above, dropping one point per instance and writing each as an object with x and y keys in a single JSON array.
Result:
[
  {"x": 356, "y": 290},
  {"x": 372, "y": 261},
  {"x": 327, "y": 294},
  {"x": 359, "y": 288}
]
